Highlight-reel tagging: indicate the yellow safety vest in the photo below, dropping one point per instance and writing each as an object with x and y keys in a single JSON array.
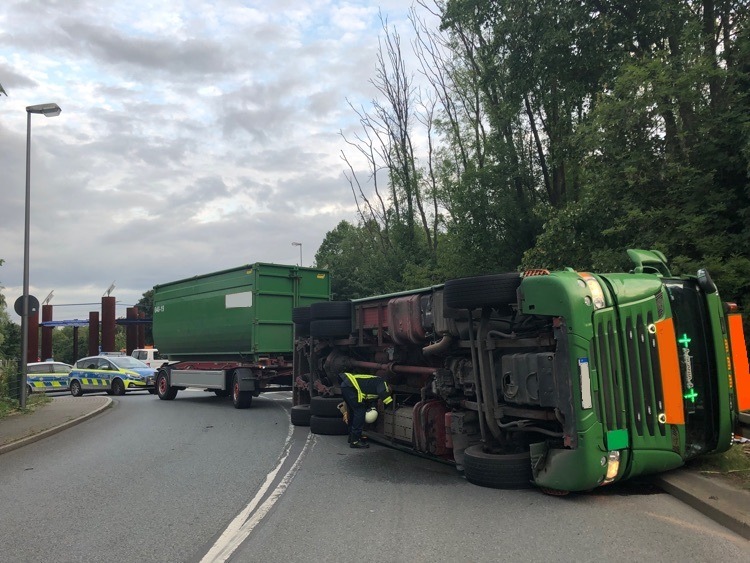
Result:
[{"x": 354, "y": 379}]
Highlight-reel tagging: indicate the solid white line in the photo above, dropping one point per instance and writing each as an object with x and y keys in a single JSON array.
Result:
[{"x": 241, "y": 526}]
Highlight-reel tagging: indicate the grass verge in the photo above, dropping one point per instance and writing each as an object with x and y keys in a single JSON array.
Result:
[
  {"x": 732, "y": 465},
  {"x": 10, "y": 406}
]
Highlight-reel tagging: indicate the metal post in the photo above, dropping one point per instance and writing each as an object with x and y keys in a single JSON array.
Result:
[
  {"x": 300, "y": 251},
  {"x": 48, "y": 110},
  {"x": 25, "y": 310}
]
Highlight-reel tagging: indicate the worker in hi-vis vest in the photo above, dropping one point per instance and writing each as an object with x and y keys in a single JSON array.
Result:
[{"x": 358, "y": 391}]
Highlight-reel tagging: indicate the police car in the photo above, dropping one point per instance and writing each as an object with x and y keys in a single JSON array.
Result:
[
  {"x": 112, "y": 373},
  {"x": 47, "y": 376}
]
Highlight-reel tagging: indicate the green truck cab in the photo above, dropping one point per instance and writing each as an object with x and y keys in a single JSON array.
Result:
[{"x": 565, "y": 380}]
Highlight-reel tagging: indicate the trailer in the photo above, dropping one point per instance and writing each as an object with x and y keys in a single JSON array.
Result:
[
  {"x": 563, "y": 380},
  {"x": 231, "y": 332}
]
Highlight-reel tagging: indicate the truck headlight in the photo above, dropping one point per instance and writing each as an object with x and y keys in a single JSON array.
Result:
[
  {"x": 597, "y": 293},
  {"x": 613, "y": 467}
]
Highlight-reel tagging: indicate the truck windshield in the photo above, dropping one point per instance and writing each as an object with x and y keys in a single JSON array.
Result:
[{"x": 695, "y": 351}]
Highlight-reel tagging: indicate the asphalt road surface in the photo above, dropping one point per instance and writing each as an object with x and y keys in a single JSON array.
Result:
[{"x": 197, "y": 480}]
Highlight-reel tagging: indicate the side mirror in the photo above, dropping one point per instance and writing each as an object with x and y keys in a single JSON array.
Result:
[{"x": 705, "y": 281}]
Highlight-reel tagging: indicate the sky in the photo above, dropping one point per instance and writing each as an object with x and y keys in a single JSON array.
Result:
[{"x": 194, "y": 137}]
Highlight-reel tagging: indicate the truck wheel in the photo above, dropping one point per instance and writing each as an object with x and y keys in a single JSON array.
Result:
[
  {"x": 330, "y": 328},
  {"x": 497, "y": 471},
  {"x": 300, "y": 415},
  {"x": 481, "y": 291},
  {"x": 118, "y": 387},
  {"x": 331, "y": 426},
  {"x": 301, "y": 315},
  {"x": 75, "y": 388},
  {"x": 165, "y": 391},
  {"x": 240, "y": 399},
  {"x": 331, "y": 310},
  {"x": 325, "y": 406}
]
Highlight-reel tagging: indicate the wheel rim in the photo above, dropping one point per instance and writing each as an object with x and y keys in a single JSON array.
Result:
[
  {"x": 162, "y": 385},
  {"x": 236, "y": 390},
  {"x": 75, "y": 388}
]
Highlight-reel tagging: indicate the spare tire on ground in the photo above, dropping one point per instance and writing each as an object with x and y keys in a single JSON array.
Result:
[
  {"x": 300, "y": 415},
  {"x": 330, "y": 426}
]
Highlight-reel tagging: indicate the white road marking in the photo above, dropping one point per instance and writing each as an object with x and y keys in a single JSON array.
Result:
[{"x": 244, "y": 523}]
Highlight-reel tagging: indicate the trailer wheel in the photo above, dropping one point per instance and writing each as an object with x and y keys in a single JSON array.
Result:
[
  {"x": 240, "y": 399},
  {"x": 75, "y": 388},
  {"x": 331, "y": 310},
  {"x": 118, "y": 387},
  {"x": 330, "y": 328},
  {"x": 165, "y": 391},
  {"x": 481, "y": 291},
  {"x": 329, "y": 426},
  {"x": 325, "y": 406},
  {"x": 497, "y": 471},
  {"x": 300, "y": 415}
]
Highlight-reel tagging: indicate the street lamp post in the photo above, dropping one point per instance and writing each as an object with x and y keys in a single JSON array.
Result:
[
  {"x": 49, "y": 110},
  {"x": 300, "y": 251}
]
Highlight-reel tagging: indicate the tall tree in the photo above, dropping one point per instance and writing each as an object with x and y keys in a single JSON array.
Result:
[{"x": 396, "y": 201}]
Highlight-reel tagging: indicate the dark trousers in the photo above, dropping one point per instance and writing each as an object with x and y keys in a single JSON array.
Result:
[{"x": 357, "y": 412}]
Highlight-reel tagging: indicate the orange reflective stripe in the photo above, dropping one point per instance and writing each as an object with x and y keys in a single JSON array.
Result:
[
  {"x": 739, "y": 361},
  {"x": 669, "y": 365}
]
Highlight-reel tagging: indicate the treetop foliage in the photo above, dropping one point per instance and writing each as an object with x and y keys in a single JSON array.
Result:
[{"x": 550, "y": 134}]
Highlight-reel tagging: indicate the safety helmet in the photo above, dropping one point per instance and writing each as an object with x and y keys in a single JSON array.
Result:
[{"x": 371, "y": 416}]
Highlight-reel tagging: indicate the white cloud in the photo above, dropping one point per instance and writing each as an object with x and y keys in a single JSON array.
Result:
[{"x": 195, "y": 136}]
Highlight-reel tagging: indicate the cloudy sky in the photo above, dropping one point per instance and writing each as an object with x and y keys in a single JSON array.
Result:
[{"x": 194, "y": 136}]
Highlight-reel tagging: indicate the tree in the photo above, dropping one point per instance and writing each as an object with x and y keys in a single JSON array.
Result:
[
  {"x": 146, "y": 306},
  {"x": 396, "y": 198}
]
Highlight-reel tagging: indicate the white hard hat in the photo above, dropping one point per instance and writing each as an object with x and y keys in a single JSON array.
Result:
[{"x": 371, "y": 416}]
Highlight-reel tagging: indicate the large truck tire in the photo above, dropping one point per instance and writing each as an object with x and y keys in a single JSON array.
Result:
[
  {"x": 482, "y": 291},
  {"x": 325, "y": 406},
  {"x": 497, "y": 471},
  {"x": 330, "y": 328},
  {"x": 300, "y": 415},
  {"x": 240, "y": 399},
  {"x": 163, "y": 389},
  {"x": 301, "y": 315},
  {"x": 329, "y": 426},
  {"x": 331, "y": 310}
]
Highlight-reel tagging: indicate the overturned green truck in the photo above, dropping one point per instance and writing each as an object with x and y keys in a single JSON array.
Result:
[{"x": 562, "y": 379}]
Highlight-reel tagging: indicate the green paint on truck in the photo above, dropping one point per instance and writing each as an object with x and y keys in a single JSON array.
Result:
[{"x": 238, "y": 314}]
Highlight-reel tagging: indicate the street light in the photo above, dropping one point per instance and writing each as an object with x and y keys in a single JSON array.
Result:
[
  {"x": 49, "y": 110},
  {"x": 300, "y": 251}
]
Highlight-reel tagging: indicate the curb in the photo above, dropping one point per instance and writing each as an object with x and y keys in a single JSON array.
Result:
[
  {"x": 54, "y": 430},
  {"x": 720, "y": 502}
]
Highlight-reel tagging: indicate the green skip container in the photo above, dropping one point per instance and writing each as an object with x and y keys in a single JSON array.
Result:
[{"x": 238, "y": 315}]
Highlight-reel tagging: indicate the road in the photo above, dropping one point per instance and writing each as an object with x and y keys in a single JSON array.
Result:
[{"x": 196, "y": 480}]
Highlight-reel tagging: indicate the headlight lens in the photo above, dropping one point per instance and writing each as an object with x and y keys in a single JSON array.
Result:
[
  {"x": 597, "y": 293},
  {"x": 613, "y": 467}
]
